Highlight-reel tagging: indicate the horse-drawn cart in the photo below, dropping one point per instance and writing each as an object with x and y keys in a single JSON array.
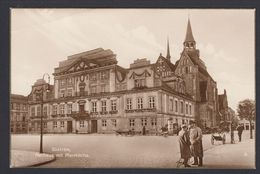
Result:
[
  {"x": 218, "y": 136},
  {"x": 219, "y": 133}
]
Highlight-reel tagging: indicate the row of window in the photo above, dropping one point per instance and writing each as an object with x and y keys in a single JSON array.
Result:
[
  {"x": 174, "y": 106},
  {"x": 55, "y": 124},
  {"x": 104, "y": 75},
  {"x": 69, "y": 108},
  {"x": 183, "y": 70},
  {"x": 18, "y": 106},
  {"x": 144, "y": 122},
  {"x": 38, "y": 125},
  {"x": 93, "y": 90},
  {"x": 104, "y": 106},
  {"x": 140, "y": 103},
  {"x": 104, "y": 123},
  {"x": 93, "y": 77},
  {"x": 63, "y": 82},
  {"x": 18, "y": 118}
]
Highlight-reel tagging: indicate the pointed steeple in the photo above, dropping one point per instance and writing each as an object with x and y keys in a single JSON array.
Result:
[
  {"x": 189, "y": 35},
  {"x": 168, "y": 56},
  {"x": 189, "y": 42}
]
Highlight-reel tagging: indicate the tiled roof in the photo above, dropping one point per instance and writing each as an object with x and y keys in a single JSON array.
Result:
[{"x": 193, "y": 57}]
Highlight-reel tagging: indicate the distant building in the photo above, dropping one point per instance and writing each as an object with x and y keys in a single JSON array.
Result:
[
  {"x": 223, "y": 107},
  {"x": 18, "y": 114},
  {"x": 246, "y": 124},
  {"x": 92, "y": 94}
]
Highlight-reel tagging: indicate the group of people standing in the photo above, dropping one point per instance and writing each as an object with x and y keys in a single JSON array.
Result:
[{"x": 190, "y": 139}]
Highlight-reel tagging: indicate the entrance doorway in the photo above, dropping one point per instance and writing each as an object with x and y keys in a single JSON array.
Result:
[
  {"x": 69, "y": 126},
  {"x": 93, "y": 126}
]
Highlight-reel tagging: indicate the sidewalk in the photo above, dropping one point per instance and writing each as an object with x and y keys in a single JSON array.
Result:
[
  {"x": 240, "y": 155},
  {"x": 21, "y": 158}
]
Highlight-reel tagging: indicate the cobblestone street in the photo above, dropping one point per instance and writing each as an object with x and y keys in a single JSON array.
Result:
[{"x": 99, "y": 150}]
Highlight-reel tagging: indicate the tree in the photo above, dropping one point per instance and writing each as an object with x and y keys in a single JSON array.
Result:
[{"x": 246, "y": 110}]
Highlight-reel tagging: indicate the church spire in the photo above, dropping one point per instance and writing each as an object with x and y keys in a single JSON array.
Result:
[
  {"x": 189, "y": 41},
  {"x": 189, "y": 35},
  {"x": 168, "y": 56}
]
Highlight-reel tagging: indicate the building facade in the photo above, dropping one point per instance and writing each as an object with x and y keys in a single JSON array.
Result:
[
  {"x": 18, "y": 114},
  {"x": 92, "y": 94},
  {"x": 246, "y": 124}
]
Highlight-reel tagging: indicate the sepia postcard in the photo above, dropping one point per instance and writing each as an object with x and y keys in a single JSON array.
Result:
[{"x": 132, "y": 88}]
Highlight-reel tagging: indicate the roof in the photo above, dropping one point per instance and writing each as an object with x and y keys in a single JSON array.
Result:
[
  {"x": 189, "y": 36},
  {"x": 194, "y": 57},
  {"x": 97, "y": 56},
  {"x": 19, "y": 97},
  {"x": 169, "y": 63},
  {"x": 165, "y": 86}
]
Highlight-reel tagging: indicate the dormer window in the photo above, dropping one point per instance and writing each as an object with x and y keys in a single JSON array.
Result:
[
  {"x": 69, "y": 94},
  {"x": 62, "y": 82},
  {"x": 139, "y": 83},
  {"x": 103, "y": 75},
  {"x": 62, "y": 93},
  {"x": 69, "y": 81},
  {"x": 93, "y": 77},
  {"x": 93, "y": 89}
]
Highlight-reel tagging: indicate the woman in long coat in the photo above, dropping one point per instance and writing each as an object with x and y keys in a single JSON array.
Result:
[{"x": 184, "y": 142}]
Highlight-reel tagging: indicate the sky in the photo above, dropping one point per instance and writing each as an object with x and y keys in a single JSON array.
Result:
[{"x": 41, "y": 38}]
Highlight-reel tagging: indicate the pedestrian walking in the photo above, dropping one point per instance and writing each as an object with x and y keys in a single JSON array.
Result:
[
  {"x": 143, "y": 130},
  {"x": 232, "y": 133},
  {"x": 184, "y": 142},
  {"x": 240, "y": 129},
  {"x": 196, "y": 144}
]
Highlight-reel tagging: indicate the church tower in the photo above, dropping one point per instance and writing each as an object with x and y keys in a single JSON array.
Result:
[{"x": 189, "y": 42}]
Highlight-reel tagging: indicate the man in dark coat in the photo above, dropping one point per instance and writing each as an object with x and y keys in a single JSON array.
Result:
[
  {"x": 143, "y": 130},
  {"x": 196, "y": 143},
  {"x": 184, "y": 145},
  {"x": 240, "y": 129}
]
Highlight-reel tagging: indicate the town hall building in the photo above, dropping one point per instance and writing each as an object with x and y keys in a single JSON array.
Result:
[{"x": 92, "y": 94}]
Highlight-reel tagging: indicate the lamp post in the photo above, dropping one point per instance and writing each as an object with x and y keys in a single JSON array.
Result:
[{"x": 42, "y": 99}]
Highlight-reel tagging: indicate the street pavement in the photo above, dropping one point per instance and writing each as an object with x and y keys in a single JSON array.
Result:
[
  {"x": 21, "y": 158},
  {"x": 239, "y": 156},
  {"x": 112, "y": 151}
]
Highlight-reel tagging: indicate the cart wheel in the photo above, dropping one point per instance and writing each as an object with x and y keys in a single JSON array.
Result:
[
  {"x": 212, "y": 140},
  {"x": 224, "y": 139}
]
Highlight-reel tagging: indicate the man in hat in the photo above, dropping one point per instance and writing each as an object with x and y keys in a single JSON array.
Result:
[
  {"x": 240, "y": 129},
  {"x": 196, "y": 143},
  {"x": 184, "y": 142}
]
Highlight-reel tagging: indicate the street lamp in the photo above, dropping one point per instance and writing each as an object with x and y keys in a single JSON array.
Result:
[{"x": 40, "y": 93}]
